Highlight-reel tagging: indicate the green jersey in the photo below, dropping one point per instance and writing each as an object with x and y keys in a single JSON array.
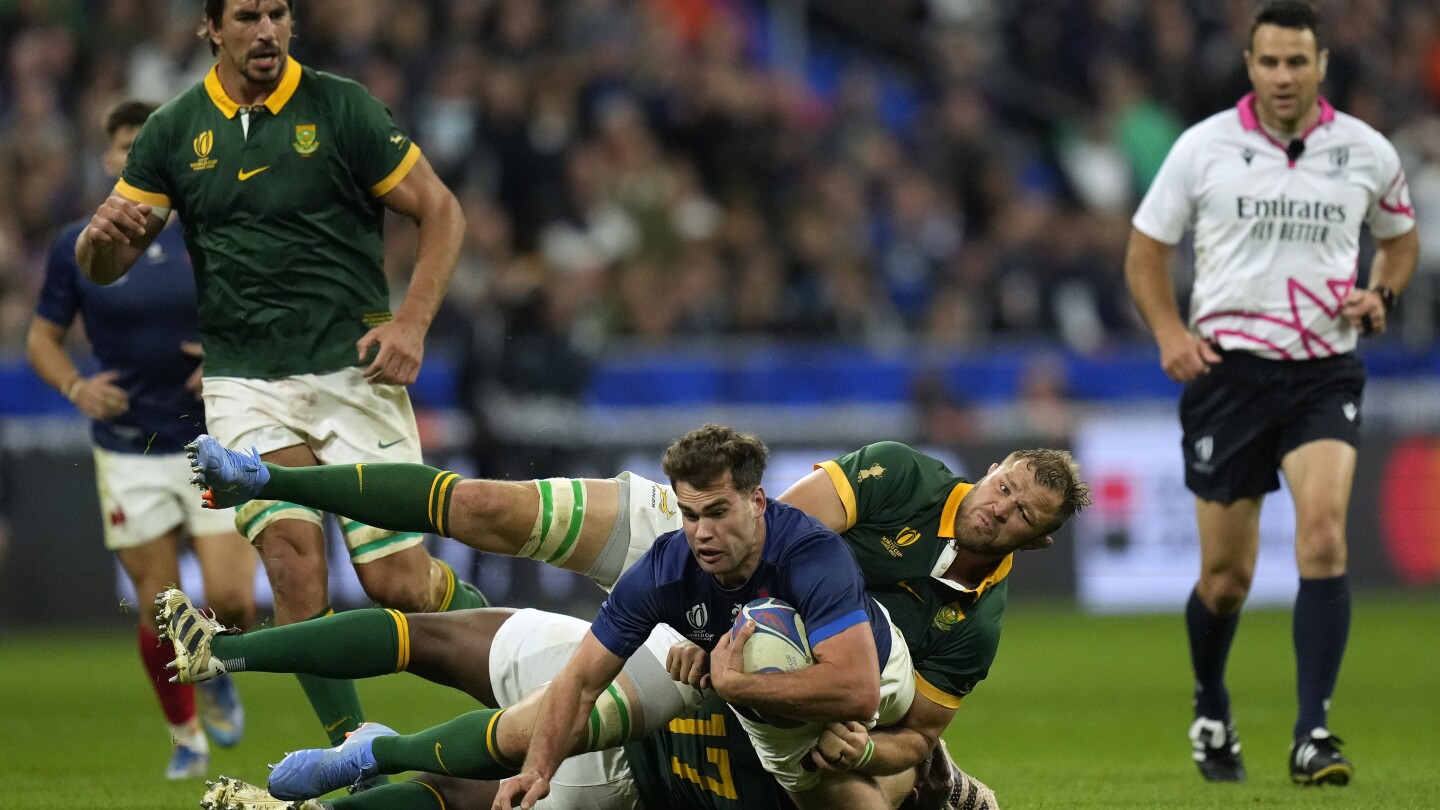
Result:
[
  {"x": 952, "y": 632},
  {"x": 900, "y": 507},
  {"x": 282, "y": 217},
  {"x": 703, "y": 760}
]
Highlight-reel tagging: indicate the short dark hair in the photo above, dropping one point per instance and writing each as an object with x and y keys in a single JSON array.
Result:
[
  {"x": 214, "y": 10},
  {"x": 1296, "y": 14},
  {"x": 703, "y": 456},
  {"x": 127, "y": 113}
]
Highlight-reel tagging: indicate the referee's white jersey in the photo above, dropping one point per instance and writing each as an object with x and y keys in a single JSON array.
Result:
[{"x": 1277, "y": 235}]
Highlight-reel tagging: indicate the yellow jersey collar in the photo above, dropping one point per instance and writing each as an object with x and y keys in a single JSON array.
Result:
[
  {"x": 275, "y": 103},
  {"x": 1002, "y": 570}
]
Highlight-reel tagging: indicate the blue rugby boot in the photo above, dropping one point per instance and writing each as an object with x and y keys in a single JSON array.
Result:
[
  {"x": 187, "y": 763},
  {"x": 226, "y": 477},
  {"x": 221, "y": 712},
  {"x": 317, "y": 771}
]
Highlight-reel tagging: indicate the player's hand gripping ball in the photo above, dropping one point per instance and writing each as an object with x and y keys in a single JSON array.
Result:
[{"x": 778, "y": 645}]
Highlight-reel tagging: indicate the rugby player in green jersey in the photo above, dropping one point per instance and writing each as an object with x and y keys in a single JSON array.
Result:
[
  {"x": 281, "y": 176},
  {"x": 946, "y": 544}
]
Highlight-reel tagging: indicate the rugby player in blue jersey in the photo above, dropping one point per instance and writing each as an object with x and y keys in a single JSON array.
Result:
[
  {"x": 144, "y": 403},
  {"x": 736, "y": 545}
]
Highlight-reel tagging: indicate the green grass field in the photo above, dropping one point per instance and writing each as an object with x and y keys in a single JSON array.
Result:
[{"x": 1079, "y": 712}]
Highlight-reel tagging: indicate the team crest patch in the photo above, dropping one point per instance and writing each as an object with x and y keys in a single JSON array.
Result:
[
  {"x": 948, "y": 616},
  {"x": 306, "y": 141},
  {"x": 203, "y": 143}
]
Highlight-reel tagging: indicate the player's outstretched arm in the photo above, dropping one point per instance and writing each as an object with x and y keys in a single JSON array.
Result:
[
  {"x": 423, "y": 198},
  {"x": 562, "y": 721},
  {"x": 843, "y": 684},
  {"x": 118, "y": 233}
]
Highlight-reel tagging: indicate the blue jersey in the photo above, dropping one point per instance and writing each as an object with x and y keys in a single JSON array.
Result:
[
  {"x": 802, "y": 562},
  {"x": 135, "y": 327}
]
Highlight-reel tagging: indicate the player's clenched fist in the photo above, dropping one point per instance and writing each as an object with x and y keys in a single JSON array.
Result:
[{"x": 118, "y": 221}]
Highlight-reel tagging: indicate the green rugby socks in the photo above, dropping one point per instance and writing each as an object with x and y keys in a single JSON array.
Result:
[
  {"x": 398, "y": 497},
  {"x": 466, "y": 747},
  {"x": 354, "y": 644}
]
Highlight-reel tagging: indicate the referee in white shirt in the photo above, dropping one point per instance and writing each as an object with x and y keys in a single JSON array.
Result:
[{"x": 1275, "y": 190}]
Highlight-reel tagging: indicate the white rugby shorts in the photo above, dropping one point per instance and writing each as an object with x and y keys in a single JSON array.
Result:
[{"x": 145, "y": 495}]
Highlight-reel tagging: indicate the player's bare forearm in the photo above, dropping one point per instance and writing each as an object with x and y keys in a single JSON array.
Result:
[
  {"x": 1147, "y": 274},
  {"x": 423, "y": 198},
  {"x": 907, "y": 743},
  {"x": 564, "y": 713},
  {"x": 843, "y": 684},
  {"x": 44, "y": 347},
  {"x": 896, "y": 749}
]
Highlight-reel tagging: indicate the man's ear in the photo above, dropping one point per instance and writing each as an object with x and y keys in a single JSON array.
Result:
[{"x": 1039, "y": 543}]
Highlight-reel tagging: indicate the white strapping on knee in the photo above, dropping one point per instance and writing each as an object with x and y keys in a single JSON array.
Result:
[
  {"x": 556, "y": 532},
  {"x": 252, "y": 517},
  {"x": 612, "y": 720}
]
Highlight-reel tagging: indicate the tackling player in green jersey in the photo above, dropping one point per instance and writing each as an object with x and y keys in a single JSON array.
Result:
[
  {"x": 952, "y": 541},
  {"x": 281, "y": 176}
]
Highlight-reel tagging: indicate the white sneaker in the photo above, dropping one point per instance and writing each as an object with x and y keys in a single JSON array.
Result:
[
  {"x": 190, "y": 631},
  {"x": 226, "y": 793}
]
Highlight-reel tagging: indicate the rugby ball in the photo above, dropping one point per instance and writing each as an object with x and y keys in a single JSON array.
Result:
[{"x": 779, "y": 643}]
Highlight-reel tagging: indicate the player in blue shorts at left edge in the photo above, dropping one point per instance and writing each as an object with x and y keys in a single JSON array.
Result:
[{"x": 736, "y": 545}]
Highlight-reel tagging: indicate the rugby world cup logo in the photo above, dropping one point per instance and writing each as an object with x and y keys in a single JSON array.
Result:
[
  {"x": 698, "y": 616},
  {"x": 203, "y": 143}
]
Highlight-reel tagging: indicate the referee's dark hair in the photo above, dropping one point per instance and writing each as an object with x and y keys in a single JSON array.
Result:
[
  {"x": 128, "y": 113},
  {"x": 1296, "y": 14},
  {"x": 215, "y": 13}
]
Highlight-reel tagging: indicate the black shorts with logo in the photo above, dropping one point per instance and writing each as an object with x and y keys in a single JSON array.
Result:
[{"x": 1241, "y": 419}]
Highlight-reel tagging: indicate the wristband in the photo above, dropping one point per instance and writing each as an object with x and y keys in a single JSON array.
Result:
[
  {"x": 1388, "y": 299},
  {"x": 865, "y": 755},
  {"x": 71, "y": 386}
]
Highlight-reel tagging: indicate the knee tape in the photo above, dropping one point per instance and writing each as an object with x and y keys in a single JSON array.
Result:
[
  {"x": 252, "y": 517},
  {"x": 557, "y": 526},
  {"x": 367, "y": 543},
  {"x": 612, "y": 719}
]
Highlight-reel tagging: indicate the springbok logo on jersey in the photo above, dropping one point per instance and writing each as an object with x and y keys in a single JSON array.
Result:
[
  {"x": 875, "y": 471},
  {"x": 305, "y": 140},
  {"x": 948, "y": 616},
  {"x": 660, "y": 498},
  {"x": 698, "y": 616},
  {"x": 203, "y": 143}
]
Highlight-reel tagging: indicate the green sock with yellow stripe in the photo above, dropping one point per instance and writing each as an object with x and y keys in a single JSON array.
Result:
[
  {"x": 464, "y": 747},
  {"x": 398, "y": 497},
  {"x": 354, "y": 644}
]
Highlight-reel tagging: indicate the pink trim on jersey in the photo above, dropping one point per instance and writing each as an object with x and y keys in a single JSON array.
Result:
[
  {"x": 1398, "y": 186},
  {"x": 1251, "y": 122},
  {"x": 1294, "y": 289}
]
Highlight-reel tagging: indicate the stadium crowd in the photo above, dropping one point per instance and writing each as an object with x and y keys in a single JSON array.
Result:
[{"x": 657, "y": 170}]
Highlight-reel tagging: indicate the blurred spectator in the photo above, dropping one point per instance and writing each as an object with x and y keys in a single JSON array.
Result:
[{"x": 660, "y": 169}]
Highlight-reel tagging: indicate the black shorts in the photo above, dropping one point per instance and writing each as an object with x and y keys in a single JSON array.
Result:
[{"x": 1241, "y": 419}]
